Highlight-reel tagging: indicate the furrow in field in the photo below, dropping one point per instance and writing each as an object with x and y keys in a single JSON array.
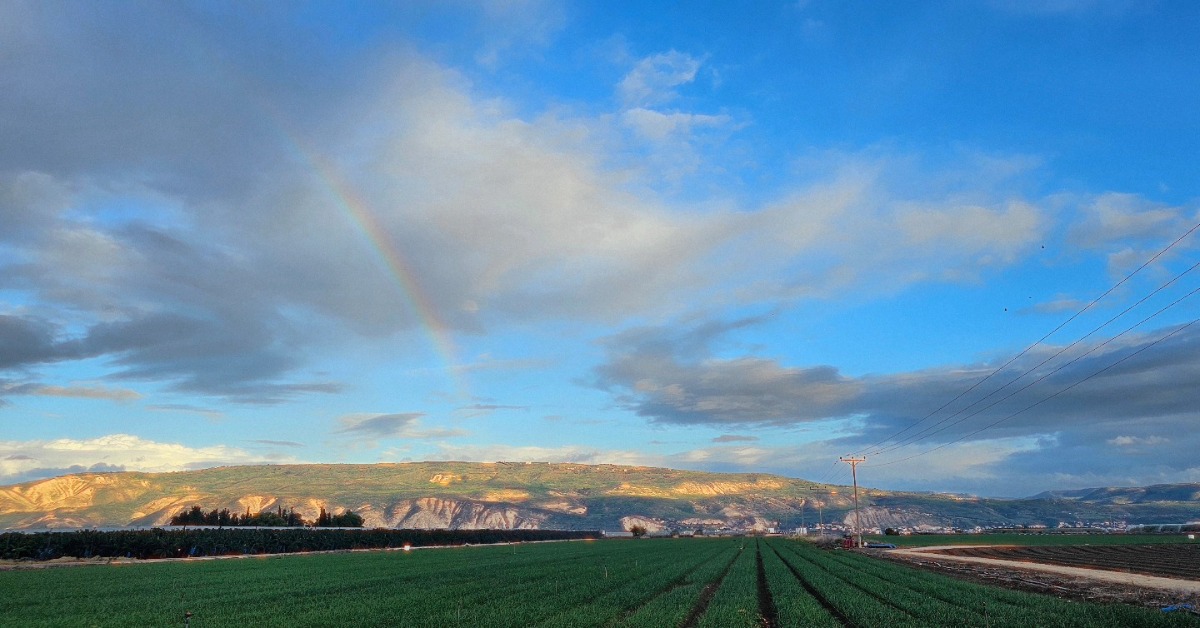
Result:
[{"x": 707, "y": 593}]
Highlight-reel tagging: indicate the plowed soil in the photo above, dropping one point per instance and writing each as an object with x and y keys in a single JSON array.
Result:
[
  {"x": 1178, "y": 562},
  {"x": 1168, "y": 561}
]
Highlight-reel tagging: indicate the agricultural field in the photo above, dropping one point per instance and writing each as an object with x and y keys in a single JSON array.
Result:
[
  {"x": 1168, "y": 561},
  {"x": 725, "y": 582},
  {"x": 1033, "y": 539}
]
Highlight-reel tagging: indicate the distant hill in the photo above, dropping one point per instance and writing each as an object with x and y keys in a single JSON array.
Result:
[{"x": 465, "y": 495}]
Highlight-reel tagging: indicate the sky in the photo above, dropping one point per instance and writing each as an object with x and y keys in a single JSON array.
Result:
[{"x": 951, "y": 237}]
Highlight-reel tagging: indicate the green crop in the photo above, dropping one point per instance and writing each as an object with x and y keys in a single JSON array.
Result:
[{"x": 649, "y": 582}]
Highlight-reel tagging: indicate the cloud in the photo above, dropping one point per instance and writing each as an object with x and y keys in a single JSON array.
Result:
[
  {"x": 86, "y": 392},
  {"x": 1131, "y": 441},
  {"x": 734, "y": 438},
  {"x": 399, "y": 197},
  {"x": 389, "y": 426},
  {"x": 657, "y": 126},
  {"x": 1080, "y": 406},
  {"x": 1129, "y": 229},
  {"x": 578, "y": 454},
  {"x": 484, "y": 409},
  {"x": 183, "y": 407},
  {"x": 667, "y": 376},
  {"x": 1118, "y": 218},
  {"x": 517, "y": 28},
  {"x": 1060, "y": 304},
  {"x": 22, "y": 461},
  {"x": 277, "y": 443},
  {"x": 27, "y": 341},
  {"x": 654, "y": 79}
]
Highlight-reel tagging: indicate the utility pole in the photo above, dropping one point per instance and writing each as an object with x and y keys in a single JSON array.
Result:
[{"x": 853, "y": 462}]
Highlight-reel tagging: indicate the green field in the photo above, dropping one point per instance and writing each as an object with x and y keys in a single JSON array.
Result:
[
  {"x": 651, "y": 582},
  {"x": 926, "y": 540}
]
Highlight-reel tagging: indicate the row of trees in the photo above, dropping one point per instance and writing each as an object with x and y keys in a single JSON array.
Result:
[
  {"x": 159, "y": 543},
  {"x": 196, "y": 516}
]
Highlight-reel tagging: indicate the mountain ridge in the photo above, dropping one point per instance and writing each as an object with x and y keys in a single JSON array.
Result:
[{"x": 512, "y": 495}]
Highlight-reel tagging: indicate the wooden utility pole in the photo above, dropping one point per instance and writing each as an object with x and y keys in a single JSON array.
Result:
[{"x": 853, "y": 462}]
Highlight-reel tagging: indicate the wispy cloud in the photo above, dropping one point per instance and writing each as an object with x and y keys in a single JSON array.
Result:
[
  {"x": 88, "y": 392},
  {"x": 653, "y": 81},
  {"x": 277, "y": 443},
  {"x": 734, "y": 438},
  {"x": 391, "y": 426}
]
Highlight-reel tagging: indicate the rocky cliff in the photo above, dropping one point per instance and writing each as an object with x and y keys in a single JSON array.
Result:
[{"x": 564, "y": 496}]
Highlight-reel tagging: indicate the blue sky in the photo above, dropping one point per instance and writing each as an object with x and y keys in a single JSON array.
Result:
[{"x": 725, "y": 236}]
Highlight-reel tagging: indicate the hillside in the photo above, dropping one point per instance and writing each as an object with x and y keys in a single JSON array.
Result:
[{"x": 541, "y": 495}]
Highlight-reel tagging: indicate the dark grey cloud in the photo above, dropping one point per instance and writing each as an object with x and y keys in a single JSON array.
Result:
[
  {"x": 183, "y": 407},
  {"x": 171, "y": 92},
  {"x": 734, "y": 438},
  {"x": 380, "y": 425},
  {"x": 1123, "y": 396},
  {"x": 277, "y": 443},
  {"x": 27, "y": 341},
  {"x": 669, "y": 376},
  {"x": 399, "y": 425}
]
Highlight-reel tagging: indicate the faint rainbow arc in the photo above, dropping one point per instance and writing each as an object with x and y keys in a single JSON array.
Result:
[
  {"x": 363, "y": 219},
  {"x": 358, "y": 212}
]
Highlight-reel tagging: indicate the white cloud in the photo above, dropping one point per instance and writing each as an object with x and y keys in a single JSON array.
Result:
[
  {"x": 657, "y": 127},
  {"x": 27, "y": 460},
  {"x": 654, "y": 79},
  {"x": 1114, "y": 218},
  {"x": 1132, "y": 441}
]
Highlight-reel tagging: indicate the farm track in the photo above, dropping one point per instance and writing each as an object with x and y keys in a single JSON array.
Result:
[
  {"x": 1168, "y": 561},
  {"x": 706, "y": 595},
  {"x": 766, "y": 605}
]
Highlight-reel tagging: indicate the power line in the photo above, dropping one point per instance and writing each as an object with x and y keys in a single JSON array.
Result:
[
  {"x": 1049, "y": 397},
  {"x": 1036, "y": 343},
  {"x": 925, "y": 433}
]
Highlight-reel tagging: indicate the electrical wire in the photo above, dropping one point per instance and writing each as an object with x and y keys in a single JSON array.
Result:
[
  {"x": 1049, "y": 397},
  {"x": 1029, "y": 348},
  {"x": 925, "y": 433}
]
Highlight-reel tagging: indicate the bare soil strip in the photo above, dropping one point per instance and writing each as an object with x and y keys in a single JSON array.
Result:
[
  {"x": 766, "y": 604},
  {"x": 707, "y": 594}
]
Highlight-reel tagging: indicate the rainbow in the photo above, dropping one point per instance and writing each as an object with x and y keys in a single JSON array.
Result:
[
  {"x": 364, "y": 220},
  {"x": 359, "y": 214}
]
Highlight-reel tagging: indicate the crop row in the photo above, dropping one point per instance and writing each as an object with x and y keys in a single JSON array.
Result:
[
  {"x": 869, "y": 592},
  {"x": 643, "y": 583}
]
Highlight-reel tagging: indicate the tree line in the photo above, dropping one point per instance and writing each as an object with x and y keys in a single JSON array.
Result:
[
  {"x": 196, "y": 516},
  {"x": 160, "y": 543}
]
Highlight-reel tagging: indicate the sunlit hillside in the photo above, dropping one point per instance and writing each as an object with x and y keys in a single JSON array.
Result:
[{"x": 540, "y": 495}]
